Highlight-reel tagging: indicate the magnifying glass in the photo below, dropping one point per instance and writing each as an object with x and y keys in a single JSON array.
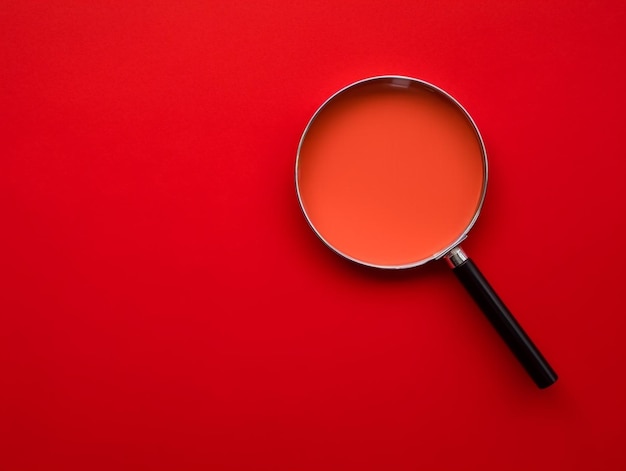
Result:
[{"x": 391, "y": 173}]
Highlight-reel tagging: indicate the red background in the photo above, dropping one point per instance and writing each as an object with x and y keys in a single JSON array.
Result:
[{"x": 164, "y": 305}]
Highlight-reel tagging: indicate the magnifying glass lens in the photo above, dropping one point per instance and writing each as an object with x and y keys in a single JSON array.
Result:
[{"x": 391, "y": 173}]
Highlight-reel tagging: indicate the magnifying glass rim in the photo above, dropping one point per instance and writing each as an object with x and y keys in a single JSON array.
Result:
[{"x": 399, "y": 82}]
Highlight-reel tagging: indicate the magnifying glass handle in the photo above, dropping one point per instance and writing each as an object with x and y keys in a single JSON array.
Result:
[{"x": 501, "y": 318}]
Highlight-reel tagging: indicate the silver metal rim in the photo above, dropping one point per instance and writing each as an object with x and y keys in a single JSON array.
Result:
[{"x": 400, "y": 81}]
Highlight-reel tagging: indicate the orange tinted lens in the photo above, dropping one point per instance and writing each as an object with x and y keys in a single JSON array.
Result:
[{"x": 390, "y": 175}]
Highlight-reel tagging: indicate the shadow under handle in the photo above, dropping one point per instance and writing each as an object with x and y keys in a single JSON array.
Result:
[{"x": 501, "y": 318}]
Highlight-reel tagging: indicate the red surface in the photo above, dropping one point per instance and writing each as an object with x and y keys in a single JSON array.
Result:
[{"x": 164, "y": 305}]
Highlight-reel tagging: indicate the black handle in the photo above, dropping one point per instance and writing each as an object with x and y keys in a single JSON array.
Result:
[{"x": 501, "y": 318}]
